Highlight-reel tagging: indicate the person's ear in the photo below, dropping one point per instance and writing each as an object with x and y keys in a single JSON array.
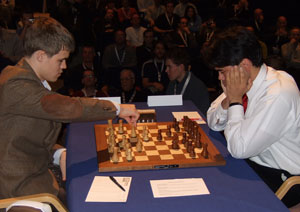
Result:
[
  {"x": 246, "y": 64},
  {"x": 40, "y": 55}
]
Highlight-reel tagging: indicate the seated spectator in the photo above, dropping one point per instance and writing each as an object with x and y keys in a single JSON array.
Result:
[
  {"x": 182, "y": 37},
  {"x": 181, "y": 7},
  {"x": 144, "y": 53},
  {"x": 166, "y": 22},
  {"x": 105, "y": 28},
  {"x": 239, "y": 13},
  {"x": 207, "y": 31},
  {"x": 125, "y": 14},
  {"x": 194, "y": 20},
  {"x": 134, "y": 33},
  {"x": 264, "y": 49},
  {"x": 73, "y": 76},
  {"x": 129, "y": 92},
  {"x": 7, "y": 13},
  {"x": 89, "y": 82},
  {"x": 117, "y": 56},
  {"x": 184, "y": 82},
  {"x": 258, "y": 24},
  {"x": 26, "y": 20},
  {"x": 154, "y": 77},
  {"x": 278, "y": 36},
  {"x": 154, "y": 11},
  {"x": 291, "y": 54},
  {"x": 11, "y": 46}
]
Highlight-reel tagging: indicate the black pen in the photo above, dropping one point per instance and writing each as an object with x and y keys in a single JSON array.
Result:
[{"x": 116, "y": 182}]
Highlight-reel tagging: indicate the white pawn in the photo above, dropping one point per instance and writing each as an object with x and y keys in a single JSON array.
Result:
[
  {"x": 115, "y": 157},
  {"x": 139, "y": 146},
  {"x": 145, "y": 134},
  {"x": 129, "y": 155},
  {"x": 121, "y": 130}
]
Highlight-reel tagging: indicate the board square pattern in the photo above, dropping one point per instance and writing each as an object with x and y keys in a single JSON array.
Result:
[{"x": 155, "y": 154}]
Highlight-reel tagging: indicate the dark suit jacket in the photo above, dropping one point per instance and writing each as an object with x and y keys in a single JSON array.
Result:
[{"x": 30, "y": 122}]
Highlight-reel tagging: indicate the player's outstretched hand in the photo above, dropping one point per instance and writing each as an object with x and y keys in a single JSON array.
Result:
[{"x": 129, "y": 113}]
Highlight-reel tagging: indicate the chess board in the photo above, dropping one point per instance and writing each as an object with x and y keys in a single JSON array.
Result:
[{"x": 155, "y": 154}]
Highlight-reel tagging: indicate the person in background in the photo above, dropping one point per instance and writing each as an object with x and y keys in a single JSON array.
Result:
[
  {"x": 194, "y": 20},
  {"x": 183, "y": 81},
  {"x": 259, "y": 109},
  {"x": 290, "y": 52},
  {"x": 125, "y": 14},
  {"x": 26, "y": 20},
  {"x": 135, "y": 33},
  {"x": 154, "y": 11},
  {"x": 129, "y": 92},
  {"x": 181, "y": 7},
  {"x": 11, "y": 47},
  {"x": 89, "y": 82},
  {"x": 31, "y": 121},
  {"x": 154, "y": 77}
]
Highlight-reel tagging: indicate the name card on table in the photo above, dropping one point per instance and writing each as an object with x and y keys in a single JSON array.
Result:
[
  {"x": 164, "y": 100},
  {"x": 114, "y": 99}
]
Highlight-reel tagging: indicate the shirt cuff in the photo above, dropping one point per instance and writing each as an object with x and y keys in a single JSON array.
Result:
[
  {"x": 235, "y": 112},
  {"x": 57, "y": 154},
  {"x": 117, "y": 105}
]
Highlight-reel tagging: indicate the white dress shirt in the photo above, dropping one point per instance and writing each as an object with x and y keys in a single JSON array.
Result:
[{"x": 269, "y": 132}]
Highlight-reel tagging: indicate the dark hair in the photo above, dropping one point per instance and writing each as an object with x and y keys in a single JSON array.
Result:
[
  {"x": 160, "y": 42},
  {"x": 186, "y": 11},
  {"x": 230, "y": 46},
  {"x": 179, "y": 56},
  {"x": 48, "y": 35}
]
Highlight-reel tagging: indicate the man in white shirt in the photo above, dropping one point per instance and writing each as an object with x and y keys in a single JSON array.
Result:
[
  {"x": 135, "y": 33},
  {"x": 265, "y": 129}
]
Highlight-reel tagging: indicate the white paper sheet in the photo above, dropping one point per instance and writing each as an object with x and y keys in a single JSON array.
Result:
[
  {"x": 178, "y": 187},
  {"x": 104, "y": 190},
  {"x": 194, "y": 115}
]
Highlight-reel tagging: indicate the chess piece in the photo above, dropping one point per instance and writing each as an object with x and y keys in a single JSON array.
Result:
[
  {"x": 133, "y": 133},
  {"x": 175, "y": 144},
  {"x": 198, "y": 140},
  {"x": 159, "y": 135},
  {"x": 192, "y": 152},
  {"x": 121, "y": 130},
  {"x": 145, "y": 134},
  {"x": 129, "y": 155},
  {"x": 115, "y": 157},
  {"x": 168, "y": 133},
  {"x": 123, "y": 142},
  {"x": 204, "y": 153},
  {"x": 184, "y": 139},
  {"x": 139, "y": 146},
  {"x": 110, "y": 123}
]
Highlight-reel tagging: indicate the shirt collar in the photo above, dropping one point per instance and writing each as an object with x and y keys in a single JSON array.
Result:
[{"x": 261, "y": 76}]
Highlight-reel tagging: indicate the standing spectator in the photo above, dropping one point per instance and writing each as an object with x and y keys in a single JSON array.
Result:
[
  {"x": 135, "y": 33},
  {"x": 154, "y": 77}
]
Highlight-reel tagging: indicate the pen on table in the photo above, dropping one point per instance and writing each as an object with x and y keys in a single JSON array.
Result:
[{"x": 116, "y": 182}]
